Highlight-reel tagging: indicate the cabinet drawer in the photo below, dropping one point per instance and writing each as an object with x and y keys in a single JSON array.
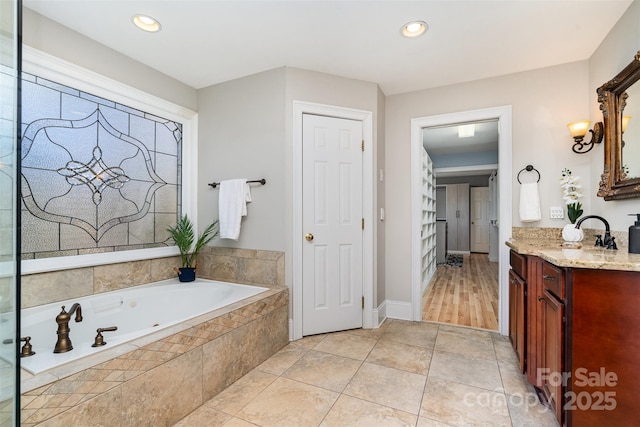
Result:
[
  {"x": 519, "y": 264},
  {"x": 553, "y": 280}
]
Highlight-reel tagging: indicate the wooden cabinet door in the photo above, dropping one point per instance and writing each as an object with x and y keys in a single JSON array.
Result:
[
  {"x": 604, "y": 340},
  {"x": 534, "y": 319},
  {"x": 517, "y": 316},
  {"x": 513, "y": 310},
  {"x": 553, "y": 351}
]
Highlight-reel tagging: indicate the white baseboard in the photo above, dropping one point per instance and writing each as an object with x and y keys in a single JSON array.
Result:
[
  {"x": 388, "y": 309},
  {"x": 398, "y": 310},
  {"x": 380, "y": 314}
]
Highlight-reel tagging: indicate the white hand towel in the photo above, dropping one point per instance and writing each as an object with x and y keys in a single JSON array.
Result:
[
  {"x": 529, "y": 202},
  {"x": 232, "y": 206}
]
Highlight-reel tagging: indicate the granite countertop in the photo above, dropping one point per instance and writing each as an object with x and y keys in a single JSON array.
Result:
[{"x": 561, "y": 254}]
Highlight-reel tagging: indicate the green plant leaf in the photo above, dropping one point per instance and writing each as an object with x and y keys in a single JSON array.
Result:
[{"x": 183, "y": 236}]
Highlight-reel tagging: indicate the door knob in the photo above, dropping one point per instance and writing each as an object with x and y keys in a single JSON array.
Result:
[{"x": 309, "y": 237}]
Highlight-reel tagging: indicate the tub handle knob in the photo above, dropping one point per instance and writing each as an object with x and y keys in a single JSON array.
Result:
[
  {"x": 99, "y": 341},
  {"x": 26, "y": 350}
]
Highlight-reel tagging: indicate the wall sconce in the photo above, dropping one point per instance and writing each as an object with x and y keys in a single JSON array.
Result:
[
  {"x": 625, "y": 123},
  {"x": 578, "y": 130}
]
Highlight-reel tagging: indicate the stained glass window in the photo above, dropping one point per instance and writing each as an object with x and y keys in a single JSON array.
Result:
[{"x": 97, "y": 175}]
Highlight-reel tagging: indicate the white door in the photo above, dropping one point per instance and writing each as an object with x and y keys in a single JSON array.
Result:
[
  {"x": 480, "y": 219},
  {"x": 332, "y": 224}
]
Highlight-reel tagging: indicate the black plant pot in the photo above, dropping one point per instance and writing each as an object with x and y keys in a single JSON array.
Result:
[{"x": 186, "y": 274}]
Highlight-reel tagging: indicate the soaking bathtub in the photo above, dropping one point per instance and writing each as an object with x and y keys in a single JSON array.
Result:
[{"x": 136, "y": 312}]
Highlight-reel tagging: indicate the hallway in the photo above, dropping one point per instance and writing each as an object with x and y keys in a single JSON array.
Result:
[{"x": 466, "y": 296}]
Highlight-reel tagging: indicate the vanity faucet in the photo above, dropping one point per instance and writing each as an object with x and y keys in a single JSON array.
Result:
[
  {"x": 64, "y": 343},
  {"x": 609, "y": 242}
]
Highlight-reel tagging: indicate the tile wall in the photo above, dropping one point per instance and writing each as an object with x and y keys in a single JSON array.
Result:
[{"x": 246, "y": 266}]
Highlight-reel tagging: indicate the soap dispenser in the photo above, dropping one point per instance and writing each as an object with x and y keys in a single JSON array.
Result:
[{"x": 634, "y": 236}]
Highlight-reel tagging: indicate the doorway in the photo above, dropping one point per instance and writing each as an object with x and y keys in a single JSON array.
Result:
[
  {"x": 331, "y": 218},
  {"x": 503, "y": 117},
  {"x": 464, "y": 289},
  {"x": 368, "y": 314}
]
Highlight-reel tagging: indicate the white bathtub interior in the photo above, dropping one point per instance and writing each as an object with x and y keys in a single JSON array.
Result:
[{"x": 136, "y": 312}]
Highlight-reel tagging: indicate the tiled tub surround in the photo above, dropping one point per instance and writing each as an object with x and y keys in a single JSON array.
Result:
[
  {"x": 245, "y": 266},
  {"x": 165, "y": 375},
  {"x": 164, "y": 379}
]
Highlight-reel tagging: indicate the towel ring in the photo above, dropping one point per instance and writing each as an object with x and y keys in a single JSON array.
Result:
[{"x": 529, "y": 168}]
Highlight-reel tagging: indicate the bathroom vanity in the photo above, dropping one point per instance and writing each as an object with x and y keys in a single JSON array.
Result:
[{"x": 575, "y": 325}]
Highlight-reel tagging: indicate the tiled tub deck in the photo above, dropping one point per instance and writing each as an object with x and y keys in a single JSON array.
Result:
[{"x": 160, "y": 382}]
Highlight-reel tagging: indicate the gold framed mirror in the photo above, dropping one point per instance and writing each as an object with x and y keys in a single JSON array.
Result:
[{"x": 619, "y": 100}]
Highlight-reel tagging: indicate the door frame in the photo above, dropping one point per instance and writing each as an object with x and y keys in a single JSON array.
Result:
[
  {"x": 505, "y": 173},
  {"x": 368, "y": 208}
]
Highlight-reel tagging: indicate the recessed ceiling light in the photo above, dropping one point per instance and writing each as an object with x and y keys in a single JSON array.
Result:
[
  {"x": 414, "y": 28},
  {"x": 466, "y": 131},
  {"x": 146, "y": 23}
]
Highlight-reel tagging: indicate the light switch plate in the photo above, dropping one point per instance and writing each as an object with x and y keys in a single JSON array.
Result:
[{"x": 556, "y": 212}]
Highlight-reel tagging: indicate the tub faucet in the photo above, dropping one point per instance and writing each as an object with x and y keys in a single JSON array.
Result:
[
  {"x": 64, "y": 343},
  {"x": 609, "y": 242}
]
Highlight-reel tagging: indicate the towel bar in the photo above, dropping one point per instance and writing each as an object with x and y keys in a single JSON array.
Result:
[{"x": 261, "y": 181}]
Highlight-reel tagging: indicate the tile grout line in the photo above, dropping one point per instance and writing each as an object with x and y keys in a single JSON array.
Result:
[
  {"x": 504, "y": 389},
  {"x": 426, "y": 381}
]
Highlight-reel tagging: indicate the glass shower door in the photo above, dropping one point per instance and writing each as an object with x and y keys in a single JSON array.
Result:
[{"x": 9, "y": 221}]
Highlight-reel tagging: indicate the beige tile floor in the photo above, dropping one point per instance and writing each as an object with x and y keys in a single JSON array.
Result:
[{"x": 402, "y": 374}]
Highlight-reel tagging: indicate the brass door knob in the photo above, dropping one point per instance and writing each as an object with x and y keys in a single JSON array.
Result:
[{"x": 309, "y": 237}]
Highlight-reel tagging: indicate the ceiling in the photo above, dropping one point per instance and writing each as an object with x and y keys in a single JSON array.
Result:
[
  {"x": 204, "y": 42},
  {"x": 443, "y": 140}
]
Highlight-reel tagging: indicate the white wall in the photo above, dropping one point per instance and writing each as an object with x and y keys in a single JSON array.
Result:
[
  {"x": 615, "y": 53},
  {"x": 242, "y": 135},
  {"x": 48, "y": 36},
  {"x": 321, "y": 88},
  {"x": 245, "y": 130},
  {"x": 543, "y": 101}
]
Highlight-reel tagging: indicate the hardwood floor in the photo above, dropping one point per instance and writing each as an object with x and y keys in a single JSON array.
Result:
[{"x": 466, "y": 296}]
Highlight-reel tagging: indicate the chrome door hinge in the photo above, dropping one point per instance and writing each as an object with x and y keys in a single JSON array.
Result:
[
  {"x": 363, "y": 223},
  {"x": 363, "y": 302},
  {"x": 363, "y": 145}
]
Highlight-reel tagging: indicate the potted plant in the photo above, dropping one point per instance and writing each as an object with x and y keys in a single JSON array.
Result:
[
  {"x": 571, "y": 193},
  {"x": 183, "y": 235}
]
